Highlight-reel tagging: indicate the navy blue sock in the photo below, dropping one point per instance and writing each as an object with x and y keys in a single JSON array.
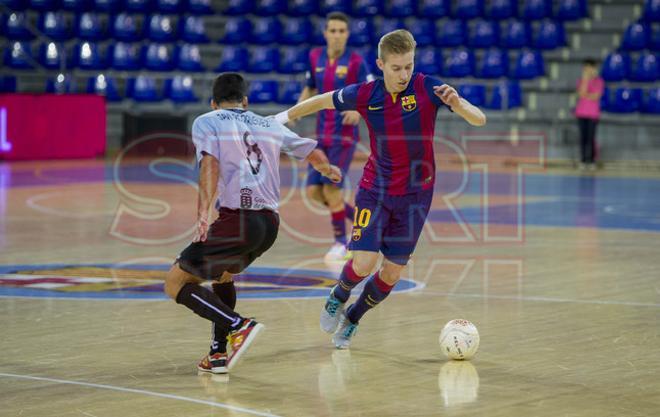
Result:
[
  {"x": 375, "y": 291},
  {"x": 347, "y": 281}
]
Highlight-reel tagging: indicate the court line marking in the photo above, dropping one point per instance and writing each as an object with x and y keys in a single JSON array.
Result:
[
  {"x": 543, "y": 299},
  {"x": 143, "y": 392}
]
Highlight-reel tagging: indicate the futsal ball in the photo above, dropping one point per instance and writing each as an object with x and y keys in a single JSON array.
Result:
[{"x": 459, "y": 339}]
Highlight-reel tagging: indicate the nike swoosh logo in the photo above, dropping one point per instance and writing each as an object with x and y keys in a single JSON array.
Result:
[{"x": 375, "y": 108}]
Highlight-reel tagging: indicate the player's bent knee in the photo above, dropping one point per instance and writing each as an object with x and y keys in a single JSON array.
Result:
[
  {"x": 363, "y": 263},
  {"x": 390, "y": 273},
  {"x": 315, "y": 192}
]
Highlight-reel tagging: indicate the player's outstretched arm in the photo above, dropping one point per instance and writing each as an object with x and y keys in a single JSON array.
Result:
[
  {"x": 309, "y": 106},
  {"x": 209, "y": 172},
  {"x": 320, "y": 162},
  {"x": 471, "y": 113}
]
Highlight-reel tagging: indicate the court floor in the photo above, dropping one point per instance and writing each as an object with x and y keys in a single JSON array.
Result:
[{"x": 558, "y": 269}]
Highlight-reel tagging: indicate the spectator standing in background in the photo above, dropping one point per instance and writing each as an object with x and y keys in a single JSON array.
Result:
[{"x": 590, "y": 89}]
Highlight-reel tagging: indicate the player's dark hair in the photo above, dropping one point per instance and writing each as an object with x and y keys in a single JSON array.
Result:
[
  {"x": 342, "y": 17},
  {"x": 229, "y": 87},
  {"x": 589, "y": 61}
]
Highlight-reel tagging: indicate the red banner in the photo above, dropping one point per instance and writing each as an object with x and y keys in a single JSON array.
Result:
[{"x": 50, "y": 126}]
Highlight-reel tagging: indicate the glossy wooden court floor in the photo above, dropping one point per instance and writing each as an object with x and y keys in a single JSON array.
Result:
[{"x": 560, "y": 272}]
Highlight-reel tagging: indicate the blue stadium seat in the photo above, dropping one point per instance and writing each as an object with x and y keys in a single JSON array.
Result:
[
  {"x": 429, "y": 61},
  {"x": 239, "y": 7},
  {"x": 451, "y": 33},
  {"x": 317, "y": 35},
  {"x": 361, "y": 32},
  {"x": 125, "y": 56},
  {"x": 234, "y": 58},
  {"x": 189, "y": 58},
  {"x": 44, "y": 5},
  {"x": 652, "y": 10},
  {"x": 125, "y": 28},
  {"x": 296, "y": 30},
  {"x": 483, "y": 34},
  {"x": 270, "y": 7},
  {"x": 18, "y": 55},
  {"x": 506, "y": 95},
  {"x": 369, "y": 54},
  {"x": 460, "y": 63},
  {"x": 294, "y": 60},
  {"x": 87, "y": 56},
  {"x": 549, "y": 35},
  {"x": 434, "y": 9},
  {"x": 264, "y": 59},
  {"x": 605, "y": 100},
  {"x": 7, "y": 84},
  {"x": 424, "y": 32},
  {"x": 263, "y": 91},
  {"x": 200, "y": 7},
  {"x": 367, "y": 8},
  {"x": 139, "y": 6},
  {"x": 636, "y": 36},
  {"x": 388, "y": 25},
  {"x": 108, "y": 6},
  {"x": 502, "y": 9},
  {"x": 169, "y": 6},
  {"x": 237, "y": 30},
  {"x": 516, "y": 35},
  {"x": 180, "y": 89},
  {"x": 162, "y": 28},
  {"x": 400, "y": 8},
  {"x": 193, "y": 30},
  {"x": 158, "y": 57},
  {"x": 290, "y": 92},
  {"x": 88, "y": 27},
  {"x": 469, "y": 9},
  {"x": 266, "y": 30},
  {"x": 571, "y": 10},
  {"x": 537, "y": 9},
  {"x": 15, "y": 5},
  {"x": 627, "y": 100},
  {"x": 493, "y": 64},
  {"x": 651, "y": 102},
  {"x": 77, "y": 6},
  {"x": 646, "y": 68},
  {"x": 103, "y": 85},
  {"x": 54, "y": 26},
  {"x": 52, "y": 56},
  {"x": 61, "y": 84},
  {"x": 142, "y": 88},
  {"x": 616, "y": 67},
  {"x": 302, "y": 7},
  {"x": 529, "y": 64},
  {"x": 328, "y": 6},
  {"x": 16, "y": 27},
  {"x": 474, "y": 93}
]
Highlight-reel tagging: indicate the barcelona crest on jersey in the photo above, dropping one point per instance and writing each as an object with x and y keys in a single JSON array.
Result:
[
  {"x": 408, "y": 103},
  {"x": 341, "y": 71}
]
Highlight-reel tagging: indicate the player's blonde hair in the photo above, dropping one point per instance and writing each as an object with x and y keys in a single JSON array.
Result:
[{"x": 397, "y": 42}]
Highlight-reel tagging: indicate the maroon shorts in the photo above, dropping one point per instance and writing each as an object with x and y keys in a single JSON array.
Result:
[{"x": 234, "y": 241}]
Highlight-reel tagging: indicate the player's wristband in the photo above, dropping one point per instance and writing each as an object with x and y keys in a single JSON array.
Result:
[{"x": 282, "y": 117}]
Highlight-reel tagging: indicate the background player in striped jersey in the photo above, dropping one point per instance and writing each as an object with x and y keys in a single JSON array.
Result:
[
  {"x": 397, "y": 184},
  {"x": 238, "y": 153},
  {"x": 330, "y": 68}
]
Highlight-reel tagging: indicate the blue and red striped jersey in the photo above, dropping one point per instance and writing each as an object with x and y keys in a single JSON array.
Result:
[
  {"x": 325, "y": 75},
  {"x": 401, "y": 129}
]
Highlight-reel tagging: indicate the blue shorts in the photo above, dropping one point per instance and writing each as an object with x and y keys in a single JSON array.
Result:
[
  {"x": 389, "y": 223},
  {"x": 340, "y": 154}
]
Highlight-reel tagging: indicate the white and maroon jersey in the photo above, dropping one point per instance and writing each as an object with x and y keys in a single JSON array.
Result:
[{"x": 248, "y": 148}]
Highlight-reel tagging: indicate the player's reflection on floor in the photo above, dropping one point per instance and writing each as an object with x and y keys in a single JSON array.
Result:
[{"x": 458, "y": 382}]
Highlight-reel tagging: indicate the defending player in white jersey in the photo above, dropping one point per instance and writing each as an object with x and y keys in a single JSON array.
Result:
[{"x": 238, "y": 154}]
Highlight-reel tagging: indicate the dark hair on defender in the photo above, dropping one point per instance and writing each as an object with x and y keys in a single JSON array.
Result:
[
  {"x": 589, "y": 61},
  {"x": 336, "y": 16},
  {"x": 229, "y": 87}
]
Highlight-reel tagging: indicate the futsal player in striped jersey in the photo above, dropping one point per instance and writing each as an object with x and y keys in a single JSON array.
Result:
[
  {"x": 396, "y": 189},
  {"x": 330, "y": 68},
  {"x": 238, "y": 154}
]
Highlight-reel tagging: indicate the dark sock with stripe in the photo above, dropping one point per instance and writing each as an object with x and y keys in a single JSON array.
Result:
[
  {"x": 207, "y": 305},
  {"x": 226, "y": 291},
  {"x": 339, "y": 226},
  {"x": 375, "y": 291},
  {"x": 347, "y": 281},
  {"x": 350, "y": 211}
]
